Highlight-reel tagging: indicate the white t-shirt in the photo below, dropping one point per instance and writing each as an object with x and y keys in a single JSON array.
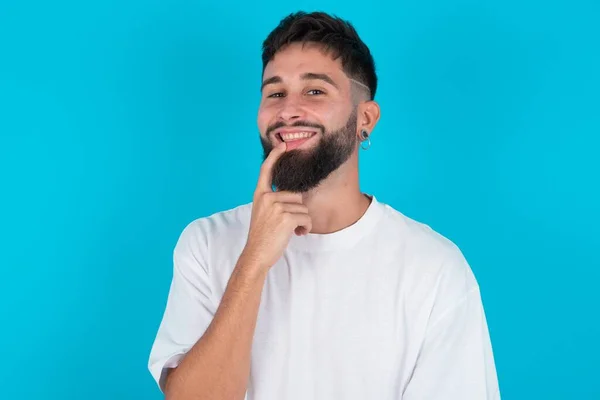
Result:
[{"x": 384, "y": 309}]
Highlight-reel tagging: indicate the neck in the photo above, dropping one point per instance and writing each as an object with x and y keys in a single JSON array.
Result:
[{"x": 338, "y": 202}]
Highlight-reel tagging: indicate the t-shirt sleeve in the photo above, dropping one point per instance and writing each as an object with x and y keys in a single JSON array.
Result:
[
  {"x": 190, "y": 306},
  {"x": 455, "y": 360}
]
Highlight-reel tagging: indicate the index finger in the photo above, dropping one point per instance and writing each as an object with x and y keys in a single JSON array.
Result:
[{"x": 265, "y": 178}]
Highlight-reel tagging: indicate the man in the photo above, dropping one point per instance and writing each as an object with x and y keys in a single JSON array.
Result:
[{"x": 316, "y": 290}]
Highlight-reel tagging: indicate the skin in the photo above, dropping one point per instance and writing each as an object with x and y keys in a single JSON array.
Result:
[
  {"x": 218, "y": 365},
  {"x": 338, "y": 201}
]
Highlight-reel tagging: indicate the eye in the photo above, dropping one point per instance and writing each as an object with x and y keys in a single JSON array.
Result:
[
  {"x": 273, "y": 95},
  {"x": 315, "y": 92}
]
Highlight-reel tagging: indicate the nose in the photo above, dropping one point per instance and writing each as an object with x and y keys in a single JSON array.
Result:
[{"x": 291, "y": 109}]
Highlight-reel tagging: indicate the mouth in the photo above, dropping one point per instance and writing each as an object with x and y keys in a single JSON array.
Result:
[
  {"x": 294, "y": 138},
  {"x": 291, "y": 136}
]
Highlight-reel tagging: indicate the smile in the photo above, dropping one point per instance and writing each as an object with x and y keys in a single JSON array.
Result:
[{"x": 291, "y": 136}]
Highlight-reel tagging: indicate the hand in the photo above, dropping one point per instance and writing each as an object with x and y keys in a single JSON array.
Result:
[{"x": 275, "y": 216}]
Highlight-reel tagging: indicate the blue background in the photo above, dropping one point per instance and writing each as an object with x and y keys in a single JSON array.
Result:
[{"x": 121, "y": 122}]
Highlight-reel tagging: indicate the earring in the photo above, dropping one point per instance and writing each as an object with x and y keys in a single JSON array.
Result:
[{"x": 365, "y": 137}]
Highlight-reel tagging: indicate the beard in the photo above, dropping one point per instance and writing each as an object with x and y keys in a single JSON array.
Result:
[{"x": 301, "y": 170}]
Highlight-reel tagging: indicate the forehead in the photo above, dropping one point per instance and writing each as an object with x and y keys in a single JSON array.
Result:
[{"x": 295, "y": 59}]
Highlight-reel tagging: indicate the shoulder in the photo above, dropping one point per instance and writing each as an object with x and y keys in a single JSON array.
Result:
[
  {"x": 420, "y": 238},
  {"x": 428, "y": 253},
  {"x": 226, "y": 225},
  {"x": 436, "y": 273}
]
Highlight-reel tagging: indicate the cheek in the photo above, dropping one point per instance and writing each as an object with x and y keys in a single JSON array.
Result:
[
  {"x": 327, "y": 115},
  {"x": 330, "y": 116},
  {"x": 263, "y": 119}
]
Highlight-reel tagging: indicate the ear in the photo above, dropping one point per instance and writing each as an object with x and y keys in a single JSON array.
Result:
[{"x": 368, "y": 116}]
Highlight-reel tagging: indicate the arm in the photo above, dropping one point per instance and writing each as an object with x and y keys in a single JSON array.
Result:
[
  {"x": 455, "y": 360},
  {"x": 218, "y": 365},
  {"x": 201, "y": 350}
]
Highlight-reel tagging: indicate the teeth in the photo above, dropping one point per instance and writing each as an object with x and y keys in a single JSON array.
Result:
[{"x": 296, "y": 135}]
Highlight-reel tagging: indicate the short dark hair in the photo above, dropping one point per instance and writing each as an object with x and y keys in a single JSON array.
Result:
[{"x": 338, "y": 37}]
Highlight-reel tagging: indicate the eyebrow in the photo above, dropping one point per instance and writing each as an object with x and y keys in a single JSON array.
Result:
[{"x": 306, "y": 76}]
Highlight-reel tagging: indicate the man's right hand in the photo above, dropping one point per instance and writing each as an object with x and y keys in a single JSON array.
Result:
[
  {"x": 275, "y": 217},
  {"x": 218, "y": 365}
]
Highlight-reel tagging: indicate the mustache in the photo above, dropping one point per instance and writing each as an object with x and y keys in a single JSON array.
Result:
[{"x": 305, "y": 124}]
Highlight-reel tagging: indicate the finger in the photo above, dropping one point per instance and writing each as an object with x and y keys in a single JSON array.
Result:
[
  {"x": 302, "y": 221},
  {"x": 286, "y": 197},
  {"x": 265, "y": 179},
  {"x": 294, "y": 208},
  {"x": 300, "y": 231}
]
